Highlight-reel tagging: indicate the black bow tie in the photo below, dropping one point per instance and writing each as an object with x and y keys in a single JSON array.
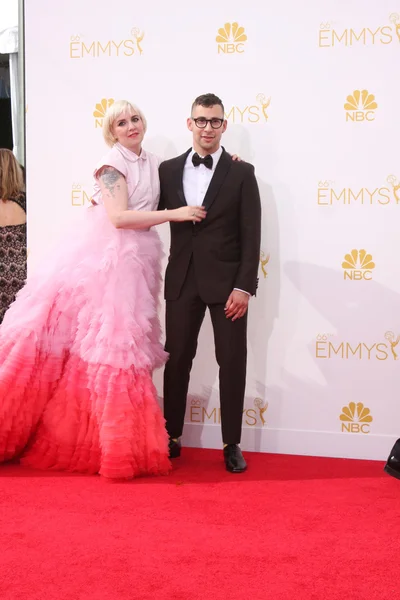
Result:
[{"x": 207, "y": 161}]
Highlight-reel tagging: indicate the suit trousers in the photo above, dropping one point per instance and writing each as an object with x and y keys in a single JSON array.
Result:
[{"x": 184, "y": 317}]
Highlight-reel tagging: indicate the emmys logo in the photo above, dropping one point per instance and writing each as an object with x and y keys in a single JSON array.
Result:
[
  {"x": 254, "y": 113},
  {"x": 230, "y": 39},
  {"x": 355, "y": 418},
  {"x": 261, "y": 406},
  {"x": 395, "y": 20},
  {"x": 79, "y": 197},
  {"x": 100, "y": 111},
  {"x": 326, "y": 349},
  {"x": 264, "y": 260},
  {"x": 252, "y": 417},
  {"x": 115, "y": 48},
  {"x": 329, "y": 37},
  {"x": 328, "y": 194},
  {"x": 360, "y": 106},
  {"x": 395, "y": 186},
  {"x": 393, "y": 342},
  {"x": 358, "y": 265}
]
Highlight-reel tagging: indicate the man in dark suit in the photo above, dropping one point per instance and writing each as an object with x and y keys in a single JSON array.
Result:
[{"x": 212, "y": 264}]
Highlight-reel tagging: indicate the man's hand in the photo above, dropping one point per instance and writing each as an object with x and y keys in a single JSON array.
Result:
[
  {"x": 236, "y": 157},
  {"x": 236, "y": 305}
]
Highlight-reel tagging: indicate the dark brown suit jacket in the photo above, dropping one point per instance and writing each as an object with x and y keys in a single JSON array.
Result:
[{"x": 225, "y": 246}]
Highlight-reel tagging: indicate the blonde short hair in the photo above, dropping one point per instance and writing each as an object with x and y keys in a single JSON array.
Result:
[{"x": 112, "y": 115}]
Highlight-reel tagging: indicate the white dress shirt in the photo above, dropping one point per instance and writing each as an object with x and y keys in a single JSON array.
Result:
[{"x": 196, "y": 181}]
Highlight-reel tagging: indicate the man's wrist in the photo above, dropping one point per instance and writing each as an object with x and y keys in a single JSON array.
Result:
[{"x": 244, "y": 291}]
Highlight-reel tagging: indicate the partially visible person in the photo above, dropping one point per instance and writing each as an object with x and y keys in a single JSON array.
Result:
[
  {"x": 392, "y": 466},
  {"x": 12, "y": 229}
]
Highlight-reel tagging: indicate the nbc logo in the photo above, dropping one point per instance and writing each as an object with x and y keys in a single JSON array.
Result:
[
  {"x": 360, "y": 106},
  {"x": 358, "y": 265},
  {"x": 100, "y": 111},
  {"x": 230, "y": 38},
  {"x": 355, "y": 418}
]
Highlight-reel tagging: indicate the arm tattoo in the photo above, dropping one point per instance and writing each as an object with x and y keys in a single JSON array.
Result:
[{"x": 110, "y": 178}]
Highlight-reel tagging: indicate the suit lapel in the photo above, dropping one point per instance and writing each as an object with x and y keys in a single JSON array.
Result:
[
  {"x": 221, "y": 171},
  {"x": 178, "y": 176}
]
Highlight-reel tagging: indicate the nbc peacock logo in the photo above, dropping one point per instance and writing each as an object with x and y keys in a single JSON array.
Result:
[
  {"x": 231, "y": 38},
  {"x": 360, "y": 106},
  {"x": 358, "y": 265},
  {"x": 356, "y": 418},
  {"x": 100, "y": 111}
]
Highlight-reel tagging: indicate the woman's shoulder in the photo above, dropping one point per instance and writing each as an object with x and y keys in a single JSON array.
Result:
[
  {"x": 111, "y": 154},
  {"x": 20, "y": 199},
  {"x": 112, "y": 158}
]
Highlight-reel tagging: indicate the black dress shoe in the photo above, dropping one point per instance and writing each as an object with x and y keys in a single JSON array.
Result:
[
  {"x": 392, "y": 466},
  {"x": 234, "y": 460},
  {"x": 174, "y": 448}
]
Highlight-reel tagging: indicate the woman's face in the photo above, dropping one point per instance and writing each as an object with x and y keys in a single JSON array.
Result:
[{"x": 128, "y": 129}]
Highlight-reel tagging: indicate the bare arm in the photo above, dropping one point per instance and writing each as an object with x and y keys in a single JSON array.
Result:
[{"x": 115, "y": 197}]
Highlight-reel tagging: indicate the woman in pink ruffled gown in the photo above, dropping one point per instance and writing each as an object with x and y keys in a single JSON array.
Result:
[{"x": 80, "y": 342}]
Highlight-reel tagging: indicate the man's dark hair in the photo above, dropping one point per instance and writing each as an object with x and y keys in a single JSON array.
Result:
[{"x": 208, "y": 100}]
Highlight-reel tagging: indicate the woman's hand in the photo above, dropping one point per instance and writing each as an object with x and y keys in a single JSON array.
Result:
[{"x": 188, "y": 213}]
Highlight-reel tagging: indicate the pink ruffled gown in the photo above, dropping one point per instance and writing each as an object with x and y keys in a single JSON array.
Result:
[{"x": 79, "y": 344}]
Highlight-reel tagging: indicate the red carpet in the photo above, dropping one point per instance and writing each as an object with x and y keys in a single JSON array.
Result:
[{"x": 290, "y": 528}]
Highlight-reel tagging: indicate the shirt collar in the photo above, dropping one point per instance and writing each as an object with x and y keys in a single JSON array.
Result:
[{"x": 128, "y": 154}]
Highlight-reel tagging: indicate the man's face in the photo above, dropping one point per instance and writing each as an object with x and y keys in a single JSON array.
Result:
[{"x": 206, "y": 140}]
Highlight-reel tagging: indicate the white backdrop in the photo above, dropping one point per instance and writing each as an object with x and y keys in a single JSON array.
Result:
[{"x": 311, "y": 95}]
